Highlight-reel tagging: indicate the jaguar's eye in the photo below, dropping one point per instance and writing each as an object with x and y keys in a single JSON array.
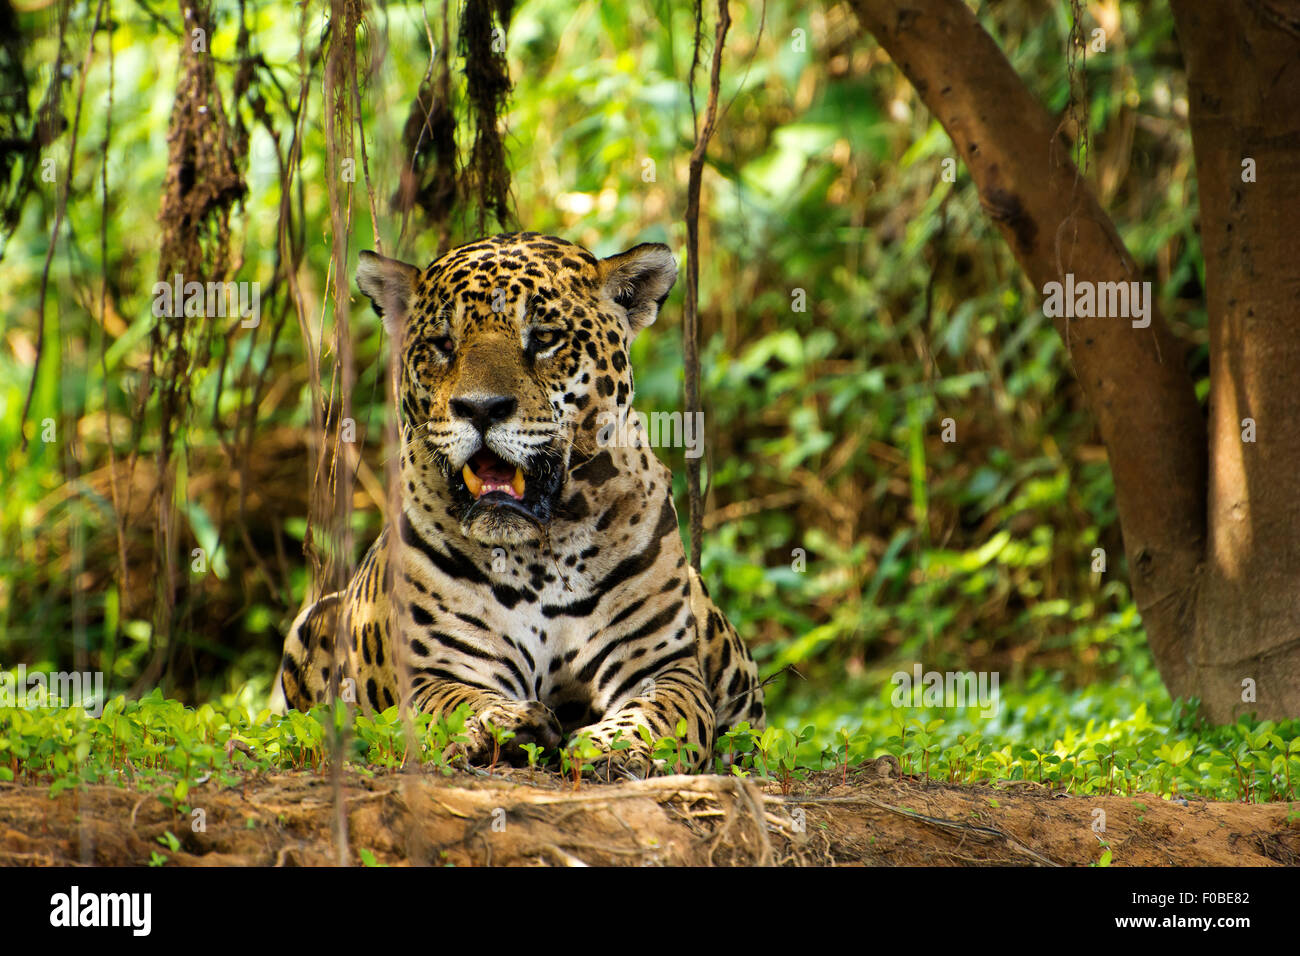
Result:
[{"x": 539, "y": 340}]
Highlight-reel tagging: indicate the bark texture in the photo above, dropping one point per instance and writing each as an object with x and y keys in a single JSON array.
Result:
[
  {"x": 1243, "y": 72},
  {"x": 1217, "y": 589}
]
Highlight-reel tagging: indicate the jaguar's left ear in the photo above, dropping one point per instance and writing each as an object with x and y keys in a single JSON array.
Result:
[{"x": 639, "y": 280}]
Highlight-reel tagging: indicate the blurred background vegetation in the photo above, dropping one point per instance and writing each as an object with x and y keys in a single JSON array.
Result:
[{"x": 843, "y": 535}]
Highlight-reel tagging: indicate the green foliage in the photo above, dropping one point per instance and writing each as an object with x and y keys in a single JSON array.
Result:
[
  {"x": 163, "y": 746},
  {"x": 1069, "y": 742},
  {"x": 845, "y": 533}
]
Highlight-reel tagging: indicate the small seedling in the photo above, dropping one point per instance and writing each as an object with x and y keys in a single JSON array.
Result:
[
  {"x": 534, "y": 752},
  {"x": 499, "y": 737}
]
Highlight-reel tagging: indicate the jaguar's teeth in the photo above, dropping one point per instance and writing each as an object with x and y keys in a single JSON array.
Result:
[
  {"x": 472, "y": 481},
  {"x": 479, "y": 487}
]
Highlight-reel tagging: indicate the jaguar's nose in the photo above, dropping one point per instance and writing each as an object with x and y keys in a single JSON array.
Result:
[{"x": 483, "y": 411}]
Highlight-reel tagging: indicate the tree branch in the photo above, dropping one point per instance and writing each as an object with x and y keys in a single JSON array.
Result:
[{"x": 1134, "y": 378}]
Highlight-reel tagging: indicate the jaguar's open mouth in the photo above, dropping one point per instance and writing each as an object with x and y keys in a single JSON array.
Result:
[
  {"x": 501, "y": 502},
  {"x": 487, "y": 473}
]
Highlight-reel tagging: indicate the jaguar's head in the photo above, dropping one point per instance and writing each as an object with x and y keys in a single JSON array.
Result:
[{"x": 514, "y": 354}]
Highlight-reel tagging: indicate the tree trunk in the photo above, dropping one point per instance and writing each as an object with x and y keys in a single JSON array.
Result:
[
  {"x": 1243, "y": 74},
  {"x": 1212, "y": 618}
]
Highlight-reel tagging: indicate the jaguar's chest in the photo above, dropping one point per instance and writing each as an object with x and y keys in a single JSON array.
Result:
[{"x": 552, "y": 618}]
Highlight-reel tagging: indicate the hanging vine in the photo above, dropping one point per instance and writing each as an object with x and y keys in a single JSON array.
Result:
[{"x": 690, "y": 312}]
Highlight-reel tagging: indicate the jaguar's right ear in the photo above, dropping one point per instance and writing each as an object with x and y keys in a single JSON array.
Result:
[{"x": 390, "y": 285}]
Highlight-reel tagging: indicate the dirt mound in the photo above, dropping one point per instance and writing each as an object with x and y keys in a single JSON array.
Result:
[{"x": 514, "y": 818}]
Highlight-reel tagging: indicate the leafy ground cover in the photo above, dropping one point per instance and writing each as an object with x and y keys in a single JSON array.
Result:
[{"x": 1040, "y": 736}]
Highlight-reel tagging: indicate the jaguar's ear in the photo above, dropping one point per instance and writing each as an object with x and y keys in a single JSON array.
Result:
[
  {"x": 639, "y": 280},
  {"x": 390, "y": 286}
]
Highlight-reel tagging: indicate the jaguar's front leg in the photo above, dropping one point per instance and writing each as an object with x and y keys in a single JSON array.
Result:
[
  {"x": 530, "y": 721},
  {"x": 670, "y": 703}
]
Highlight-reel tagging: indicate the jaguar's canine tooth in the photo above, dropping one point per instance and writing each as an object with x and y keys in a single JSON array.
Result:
[{"x": 471, "y": 480}]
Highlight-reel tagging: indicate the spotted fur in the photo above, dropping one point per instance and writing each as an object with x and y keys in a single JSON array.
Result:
[{"x": 572, "y": 608}]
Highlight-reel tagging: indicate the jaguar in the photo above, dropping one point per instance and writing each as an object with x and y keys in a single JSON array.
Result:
[{"x": 535, "y": 570}]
